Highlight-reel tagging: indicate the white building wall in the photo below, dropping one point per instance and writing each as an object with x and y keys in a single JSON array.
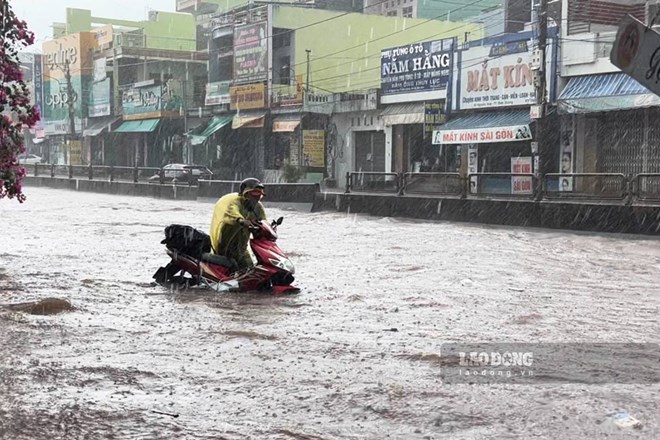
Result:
[{"x": 346, "y": 125}]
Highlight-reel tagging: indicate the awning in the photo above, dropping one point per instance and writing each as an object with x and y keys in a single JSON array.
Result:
[
  {"x": 286, "y": 124},
  {"x": 485, "y": 128},
  {"x": 99, "y": 125},
  {"x": 396, "y": 114},
  {"x": 248, "y": 120},
  {"x": 141, "y": 126},
  {"x": 604, "y": 92},
  {"x": 215, "y": 124}
]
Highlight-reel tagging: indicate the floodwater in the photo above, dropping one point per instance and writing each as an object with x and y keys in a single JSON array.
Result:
[{"x": 354, "y": 356}]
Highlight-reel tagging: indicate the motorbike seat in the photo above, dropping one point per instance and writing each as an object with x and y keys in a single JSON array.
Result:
[{"x": 220, "y": 260}]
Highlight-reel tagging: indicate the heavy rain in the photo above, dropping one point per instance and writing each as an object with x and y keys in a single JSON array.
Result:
[
  {"x": 355, "y": 355},
  {"x": 329, "y": 219}
]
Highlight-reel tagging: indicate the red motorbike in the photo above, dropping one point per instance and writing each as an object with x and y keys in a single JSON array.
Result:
[{"x": 190, "y": 253}]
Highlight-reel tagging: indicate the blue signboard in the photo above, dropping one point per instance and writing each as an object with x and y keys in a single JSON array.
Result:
[
  {"x": 418, "y": 67},
  {"x": 37, "y": 77}
]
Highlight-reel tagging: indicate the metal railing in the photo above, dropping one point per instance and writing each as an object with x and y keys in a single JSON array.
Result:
[
  {"x": 612, "y": 186},
  {"x": 580, "y": 186},
  {"x": 646, "y": 186},
  {"x": 518, "y": 185},
  {"x": 100, "y": 172},
  {"x": 576, "y": 186},
  {"x": 368, "y": 181},
  {"x": 433, "y": 183}
]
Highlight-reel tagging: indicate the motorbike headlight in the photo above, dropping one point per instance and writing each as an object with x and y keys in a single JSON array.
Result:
[{"x": 284, "y": 264}]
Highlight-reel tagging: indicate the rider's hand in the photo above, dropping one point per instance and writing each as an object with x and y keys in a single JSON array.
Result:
[{"x": 247, "y": 224}]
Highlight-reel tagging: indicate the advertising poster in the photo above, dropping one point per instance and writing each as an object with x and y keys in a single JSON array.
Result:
[
  {"x": 473, "y": 166},
  {"x": 521, "y": 184},
  {"x": 566, "y": 159},
  {"x": 99, "y": 99},
  {"x": 251, "y": 53},
  {"x": 314, "y": 148},
  {"x": 294, "y": 152}
]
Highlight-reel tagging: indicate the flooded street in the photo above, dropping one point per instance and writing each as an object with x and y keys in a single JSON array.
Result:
[{"x": 354, "y": 356}]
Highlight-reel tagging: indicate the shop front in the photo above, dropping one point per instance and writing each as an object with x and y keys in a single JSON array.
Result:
[
  {"x": 208, "y": 140},
  {"x": 152, "y": 131},
  {"x": 490, "y": 143},
  {"x": 491, "y": 125},
  {"x": 282, "y": 155},
  {"x": 414, "y": 79},
  {"x": 609, "y": 125},
  {"x": 96, "y": 137}
]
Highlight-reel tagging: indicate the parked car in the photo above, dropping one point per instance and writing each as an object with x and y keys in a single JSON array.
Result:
[
  {"x": 182, "y": 173},
  {"x": 29, "y": 159}
]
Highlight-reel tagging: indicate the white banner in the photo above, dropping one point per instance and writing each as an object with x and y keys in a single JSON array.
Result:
[
  {"x": 482, "y": 135},
  {"x": 99, "y": 69}
]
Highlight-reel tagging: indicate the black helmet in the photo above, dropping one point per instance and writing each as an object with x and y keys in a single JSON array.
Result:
[{"x": 249, "y": 184}]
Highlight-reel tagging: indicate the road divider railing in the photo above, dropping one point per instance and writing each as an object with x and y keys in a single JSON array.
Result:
[
  {"x": 553, "y": 186},
  {"x": 368, "y": 181},
  {"x": 98, "y": 172}
]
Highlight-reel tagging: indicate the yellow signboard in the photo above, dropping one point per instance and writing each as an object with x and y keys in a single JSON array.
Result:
[
  {"x": 75, "y": 153},
  {"x": 314, "y": 148},
  {"x": 247, "y": 97}
]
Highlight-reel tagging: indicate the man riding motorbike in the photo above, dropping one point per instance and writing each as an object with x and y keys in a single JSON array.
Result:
[{"x": 231, "y": 224}]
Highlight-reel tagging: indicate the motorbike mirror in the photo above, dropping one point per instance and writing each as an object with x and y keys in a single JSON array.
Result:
[{"x": 279, "y": 221}]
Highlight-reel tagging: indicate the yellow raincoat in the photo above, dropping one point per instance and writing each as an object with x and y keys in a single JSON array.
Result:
[{"x": 228, "y": 238}]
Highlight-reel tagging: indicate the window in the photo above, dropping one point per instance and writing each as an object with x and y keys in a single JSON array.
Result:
[
  {"x": 391, "y": 13},
  {"x": 407, "y": 12},
  {"x": 285, "y": 70}
]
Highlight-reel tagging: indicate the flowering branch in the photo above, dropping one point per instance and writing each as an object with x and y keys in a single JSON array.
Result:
[{"x": 16, "y": 113}]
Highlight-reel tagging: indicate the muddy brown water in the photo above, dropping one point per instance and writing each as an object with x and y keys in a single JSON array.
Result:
[{"x": 354, "y": 356}]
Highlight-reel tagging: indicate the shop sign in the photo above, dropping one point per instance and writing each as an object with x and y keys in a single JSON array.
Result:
[
  {"x": 151, "y": 101},
  {"x": 37, "y": 78},
  {"x": 246, "y": 97},
  {"x": 314, "y": 148},
  {"x": 99, "y": 99},
  {"x": 433, "y": 116},
  {"x": 217, "y": 93},
  {"x": 294, "y": 151},
  {"x": 482, "y": 135},
  {"x": 501, "y": 80},
  {"x": 418, "y": 67},
  {"x": 75, "y": 152},
  {"x": 291, "y": 96},
  {"x": 103, "y": 35},
  {"x": 521, "y": 184},
  {"x": 636, "y": 51},
  {"x": 251, "y": 53}
]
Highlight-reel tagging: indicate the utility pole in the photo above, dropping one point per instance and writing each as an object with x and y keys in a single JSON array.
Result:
[
  {"x": 70, "y": 100},
  {"x": 309, "y": 51},
  {"x": 541, "y": 135}
]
